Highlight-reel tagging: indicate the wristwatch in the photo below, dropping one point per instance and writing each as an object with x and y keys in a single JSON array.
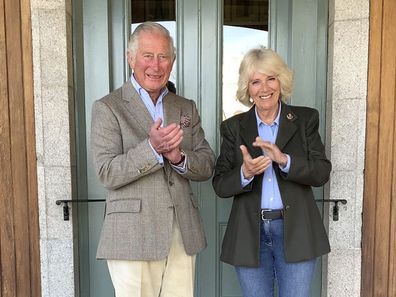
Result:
[{"x": 182, "y": 158}]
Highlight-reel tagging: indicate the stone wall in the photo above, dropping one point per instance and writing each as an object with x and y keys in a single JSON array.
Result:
[
  {"x": 52, "y": 82},
  {"x": 346, "y": 127}
]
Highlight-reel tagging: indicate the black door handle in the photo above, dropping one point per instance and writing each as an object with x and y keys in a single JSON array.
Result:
[
  {"x": 335, "y": 207},
  {"x": 66, "y": 205}
]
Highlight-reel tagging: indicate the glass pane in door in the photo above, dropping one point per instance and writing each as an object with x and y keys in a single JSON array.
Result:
[{"x": 245, "y": 26}]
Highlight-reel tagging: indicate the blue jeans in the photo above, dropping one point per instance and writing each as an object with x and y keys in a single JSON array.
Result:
[{"x": 293, "y": 279}]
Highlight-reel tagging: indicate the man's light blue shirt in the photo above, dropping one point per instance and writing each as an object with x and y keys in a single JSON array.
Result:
[
  {"x": 270, "y": 195},
  {"x": 156, "y": 111}
]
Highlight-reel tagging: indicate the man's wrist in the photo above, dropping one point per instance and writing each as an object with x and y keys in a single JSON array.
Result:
[{"x": 181, "y": 160}]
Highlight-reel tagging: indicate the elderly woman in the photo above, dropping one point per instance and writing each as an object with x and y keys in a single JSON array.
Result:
[{"x": 271, "y": 156}]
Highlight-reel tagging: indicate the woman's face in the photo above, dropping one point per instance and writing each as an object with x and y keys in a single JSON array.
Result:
[{"x": 265, "y": 92}]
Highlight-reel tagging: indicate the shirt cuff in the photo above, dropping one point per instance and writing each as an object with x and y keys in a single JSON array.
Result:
[
  {"x": 159, "y": 157},
  {"x": 181, "y": 168},
  {"x": 244, "y": 181}
]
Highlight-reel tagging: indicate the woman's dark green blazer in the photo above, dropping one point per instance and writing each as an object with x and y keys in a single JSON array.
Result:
[{"x": 304, "y": 233}]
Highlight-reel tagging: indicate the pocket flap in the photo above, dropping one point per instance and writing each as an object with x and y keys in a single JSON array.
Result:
[{"x": 123, "y": 206}]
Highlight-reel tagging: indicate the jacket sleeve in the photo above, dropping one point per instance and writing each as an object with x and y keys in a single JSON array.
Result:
[
  {"x": 200, "y": 158},
  {"x": 311, "y": 167},
  {"x": 227, "y": 179},
  {"x": 114, "y": 167}
]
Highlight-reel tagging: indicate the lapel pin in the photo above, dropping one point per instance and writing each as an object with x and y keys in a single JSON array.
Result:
[{"x": 289, "y": 116}]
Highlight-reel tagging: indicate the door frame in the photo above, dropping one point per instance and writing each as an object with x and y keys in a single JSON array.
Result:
[
  {"x": 379, "y": 203},
  {"x": 203, "y": 41}
]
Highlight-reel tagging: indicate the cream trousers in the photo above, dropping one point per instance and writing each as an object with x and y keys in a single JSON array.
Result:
[{"x": 170, "y": 277}]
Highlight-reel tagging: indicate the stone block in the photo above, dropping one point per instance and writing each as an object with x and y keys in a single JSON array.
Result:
[{"x": 350, "y": 59}]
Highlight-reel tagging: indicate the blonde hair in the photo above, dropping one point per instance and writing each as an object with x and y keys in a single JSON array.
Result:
[{"x": 267, "y": 62}]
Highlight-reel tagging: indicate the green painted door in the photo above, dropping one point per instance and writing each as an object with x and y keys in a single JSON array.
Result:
[{"x": 296, "y": 29}]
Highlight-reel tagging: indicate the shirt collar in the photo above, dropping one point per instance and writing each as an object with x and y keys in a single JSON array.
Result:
[
  {"x": 276, "y": 120},
  {"x": 140, "y": 89}
]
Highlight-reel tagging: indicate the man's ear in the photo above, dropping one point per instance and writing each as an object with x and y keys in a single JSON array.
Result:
[{"x": 131, "y": 60}]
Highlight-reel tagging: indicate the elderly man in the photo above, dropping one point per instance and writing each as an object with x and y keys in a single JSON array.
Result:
[{"x": 147, "y": 145}]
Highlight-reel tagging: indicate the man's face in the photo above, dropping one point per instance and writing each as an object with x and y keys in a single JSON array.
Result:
[{"x": 153, "y": 62}]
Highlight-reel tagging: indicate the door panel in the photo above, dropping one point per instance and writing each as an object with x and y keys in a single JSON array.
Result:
[
  {"x": 97, "y": 71},
  {"x": 201, "y": 82},
  {"x": 101, "y": 29},
  {"x": 300, "y": 35}
]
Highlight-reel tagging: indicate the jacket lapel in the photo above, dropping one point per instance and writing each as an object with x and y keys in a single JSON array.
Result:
[
  {"x": 249, "y": 132},
  {"x": 287, "y": 128},
  {"x": 171, "y": 110},
  {"x": 135, "y": 105},
  {"x": 173, "y": 113}
]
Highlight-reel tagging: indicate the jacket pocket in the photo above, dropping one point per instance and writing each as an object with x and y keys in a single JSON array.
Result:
[{"x": 123, "y": 206}]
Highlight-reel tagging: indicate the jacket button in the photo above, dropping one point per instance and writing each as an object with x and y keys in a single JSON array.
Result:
[{"x": 142, "y": 169}]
